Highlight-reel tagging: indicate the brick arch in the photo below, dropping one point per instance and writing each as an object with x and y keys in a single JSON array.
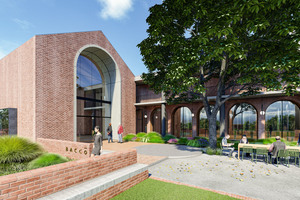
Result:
[{"x": 294, "y": 101}]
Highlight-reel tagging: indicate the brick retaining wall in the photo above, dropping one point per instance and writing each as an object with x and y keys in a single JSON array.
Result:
[
  {"x": 74, "y": 150},
  {"x": 44, "y": 181}
]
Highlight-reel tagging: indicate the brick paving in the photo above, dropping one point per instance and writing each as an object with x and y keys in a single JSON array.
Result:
[{"x": 141, "y": 158}]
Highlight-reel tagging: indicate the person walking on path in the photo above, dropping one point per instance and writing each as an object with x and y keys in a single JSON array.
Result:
[
  {"x": 109, "y": 133},
  {"x": 97, "y": 148},
  {"x": 120, "y": 133},
  {"x": 298, "y": 143}
]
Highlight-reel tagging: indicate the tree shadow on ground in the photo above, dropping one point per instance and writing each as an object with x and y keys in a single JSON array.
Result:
[{"x": 187, "y": 148}]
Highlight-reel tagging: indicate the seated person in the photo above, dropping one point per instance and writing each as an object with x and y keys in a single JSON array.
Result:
[
  {"x": 275, "y": 146},
  {"x": 244, "y": 140},
  {"x": 226, "y": 145}
]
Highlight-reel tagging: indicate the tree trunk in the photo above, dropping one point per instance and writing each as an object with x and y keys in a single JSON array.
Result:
[{"x": 212, "y": 131}]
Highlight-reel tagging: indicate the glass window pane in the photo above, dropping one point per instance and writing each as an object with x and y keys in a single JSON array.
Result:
[
  {"x": 89, "y": 111},
  {"x": 243, "y": 121},
  {"x": 282, "y": 119},
  {"x": 203, "y": 123}
]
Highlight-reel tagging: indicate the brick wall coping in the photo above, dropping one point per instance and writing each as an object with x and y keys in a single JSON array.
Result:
[
  {"x": 96, "y": 185},
  {"x": 44, "y": 181}
]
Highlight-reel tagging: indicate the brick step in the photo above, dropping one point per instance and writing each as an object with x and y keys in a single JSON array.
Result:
[{"x": 96, "y": 185}]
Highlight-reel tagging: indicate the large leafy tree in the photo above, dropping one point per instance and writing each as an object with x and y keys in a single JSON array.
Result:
[{"x": 196, "y": 48}]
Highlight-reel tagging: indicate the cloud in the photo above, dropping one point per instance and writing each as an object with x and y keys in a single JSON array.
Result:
[
  {"x": 116, "y": 9},
  {"x": 25, "y": 25}
]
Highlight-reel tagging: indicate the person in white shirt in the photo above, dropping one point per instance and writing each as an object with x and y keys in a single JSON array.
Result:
[{"x": 226, "y": 145}]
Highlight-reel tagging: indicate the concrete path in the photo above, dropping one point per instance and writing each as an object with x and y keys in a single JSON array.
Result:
[{"x": 169, "y": 150}]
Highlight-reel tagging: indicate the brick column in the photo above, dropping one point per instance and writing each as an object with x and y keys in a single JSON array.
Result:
[{"x": 261, "y": 122}]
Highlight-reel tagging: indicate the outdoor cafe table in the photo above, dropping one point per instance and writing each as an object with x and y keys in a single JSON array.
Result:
[{"x": 267, "y": 146}]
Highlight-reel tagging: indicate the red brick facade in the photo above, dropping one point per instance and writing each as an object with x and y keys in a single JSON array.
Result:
[
  {"x": 38, "y": 80},
  {"x": 259, "y": 103},
  {"x": 17, "y": 86}
]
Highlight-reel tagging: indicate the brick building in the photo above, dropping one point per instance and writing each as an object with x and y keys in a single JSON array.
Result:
[
  {"x": 64, "y": 84},
  {"x": 59, "y": 86}
]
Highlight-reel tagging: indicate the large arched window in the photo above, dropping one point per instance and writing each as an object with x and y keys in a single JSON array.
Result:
[
  {"x": 243, "y": 121},
  {"x": 283, "y": 119},
  {"x": 89, "y": 96},
  {"x": 203, "y": 123},
  {"x": 182, "y": 122}
]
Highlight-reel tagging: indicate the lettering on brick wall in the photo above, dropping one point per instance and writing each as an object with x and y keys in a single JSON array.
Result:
[{"x": 76, "y": 150}]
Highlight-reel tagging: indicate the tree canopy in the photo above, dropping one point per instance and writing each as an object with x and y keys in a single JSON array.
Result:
[{"x": 235, "y": 47}]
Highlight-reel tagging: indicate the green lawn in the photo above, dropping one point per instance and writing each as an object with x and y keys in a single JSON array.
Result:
[{"x": 153, "y": 189}]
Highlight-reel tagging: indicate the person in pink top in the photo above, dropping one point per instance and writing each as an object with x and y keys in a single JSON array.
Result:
[{"x": 120, "y": 133}]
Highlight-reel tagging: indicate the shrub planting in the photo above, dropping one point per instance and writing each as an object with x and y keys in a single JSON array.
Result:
[
  {"x": 167, "y": 137},
  {"x": 193, "y": 143},
  {"x": 141, "y": 134},
  {"x": 11, "y": 168},
  {"x": 203, "y": 142},
  {"x": 153, "y": 134},
  {"x": 128, "y": 137},
  {"x": 211, "y": 151},
  {"x": 183, "y": 141},
  {"x": 265, "y": 141},
  {"x": 156, "y": 139},
  {"x": 172, "y": 141},
  {"x": 17, "y": 149},
  {"x": 46, "y": 160}
]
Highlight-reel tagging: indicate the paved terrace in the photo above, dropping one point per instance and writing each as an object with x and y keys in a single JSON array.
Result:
[{"x": 241, "y": 179}]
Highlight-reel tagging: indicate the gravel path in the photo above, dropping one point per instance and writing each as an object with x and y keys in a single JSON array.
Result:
[{"x": 230, "y": 175}]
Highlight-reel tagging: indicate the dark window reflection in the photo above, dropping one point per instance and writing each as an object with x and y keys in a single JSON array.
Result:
[
  {"x": 203, "y": 123},
  {"x": 183, "y": 122},
  {"x": 4, "y": 123},
  {"x": 282, "y": 119},
  {"x": 90, "y": 109},
  {"x": 243, "y": 121}
]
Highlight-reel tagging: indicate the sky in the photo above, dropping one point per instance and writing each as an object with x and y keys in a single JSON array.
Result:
[{"x": 123, "y": 22}]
